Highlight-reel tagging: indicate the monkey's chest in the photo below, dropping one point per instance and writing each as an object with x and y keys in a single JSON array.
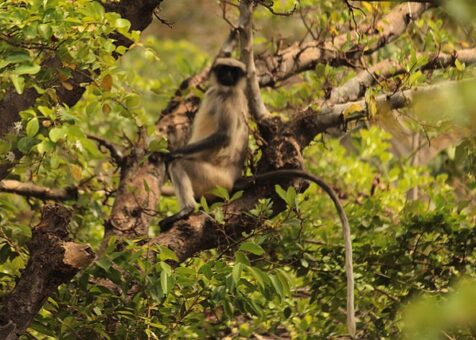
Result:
[{"x": 202, "y": 128}]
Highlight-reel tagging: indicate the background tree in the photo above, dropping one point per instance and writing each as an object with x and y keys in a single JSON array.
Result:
[{"x": 84, "y": 103}]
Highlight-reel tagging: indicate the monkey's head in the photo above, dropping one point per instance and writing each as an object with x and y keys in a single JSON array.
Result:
[{"x": 228, "y": 71}]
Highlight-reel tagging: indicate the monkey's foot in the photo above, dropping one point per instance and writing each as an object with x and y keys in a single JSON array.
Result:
[{"x": 168, "y": 222}]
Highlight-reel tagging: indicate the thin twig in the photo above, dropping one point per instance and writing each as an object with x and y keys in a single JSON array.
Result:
[{"x": 115, "y": 153}]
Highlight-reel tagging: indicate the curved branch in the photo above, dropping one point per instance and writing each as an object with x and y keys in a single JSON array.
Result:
[
  {"x": 113, "y": 150},
  {"x": 302, "y": 57}
]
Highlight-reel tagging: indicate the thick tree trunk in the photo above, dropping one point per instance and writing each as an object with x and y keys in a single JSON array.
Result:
[{"x": 53, "y": 261}]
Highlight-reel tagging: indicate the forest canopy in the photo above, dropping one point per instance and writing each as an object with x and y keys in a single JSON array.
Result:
[{"x": 376, "y": 98}]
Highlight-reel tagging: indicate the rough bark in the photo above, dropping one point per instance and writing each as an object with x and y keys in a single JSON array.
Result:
[
  {"x": 137, "y": 195},
  {"x": 53, "y": 260}
]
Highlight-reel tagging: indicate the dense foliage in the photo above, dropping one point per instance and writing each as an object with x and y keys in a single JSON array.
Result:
[{"x": 413, "y": 225}]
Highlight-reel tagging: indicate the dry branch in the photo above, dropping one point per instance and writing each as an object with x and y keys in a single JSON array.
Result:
[
  {"x": 113, "y": 149},
  {"x": 355, "y": 88},
  {"x": 33, "y": 190},
  {"x": 255, "y": 102},
  {"x": 301, "y": 57},
  {"x": 53, "y": 261}
]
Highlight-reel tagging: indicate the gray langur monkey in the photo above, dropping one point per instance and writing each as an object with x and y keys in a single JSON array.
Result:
[{"x": 215, "y": 156}]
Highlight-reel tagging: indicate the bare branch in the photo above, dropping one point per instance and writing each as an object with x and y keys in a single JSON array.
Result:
[
  {"x": 269, "y": 7},
  {"x": 301, "y": 57},
  {"x": 33, "y": 190},
  {"x": 256, "y": 106},
  {"x": 113, "y": 149},
  {"x": 355, "y": 88},
  {"x": 309, "y": 123}
]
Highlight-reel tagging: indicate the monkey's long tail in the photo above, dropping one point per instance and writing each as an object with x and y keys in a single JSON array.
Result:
[{"x": 286, "y": 173}]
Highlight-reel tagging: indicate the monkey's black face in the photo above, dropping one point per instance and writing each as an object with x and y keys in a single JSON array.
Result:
[{"x": 228, "y": 75}]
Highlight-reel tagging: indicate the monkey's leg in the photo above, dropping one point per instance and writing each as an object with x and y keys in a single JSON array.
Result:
[{"x": 184, "y": 190}]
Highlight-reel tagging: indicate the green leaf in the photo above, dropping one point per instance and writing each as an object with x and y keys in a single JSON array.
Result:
[
  {"x": 45, "y": 31},
  {"x": 166, "y": 268},
  {"x": 46, "y": 111},
  {"x": 236, "y": 273},
  {"x": 121, "y": 23},
  {"x": 221, "y": 192},
  {"x": 252, "y": 248},
  {"x": 206, "y": 270},
  {"x": 133, "y": 101},
  {"x": 25, "y": 144},
  {"x": 261, "y": 277},
  {"x": 278, "y": 286},
  {"x": 164, "y": 281},
  {"x": 90, "y": 147},
  {"x": 228, "y": 308},
  {"x": 104, "y": 263},
  {"x": 280, "y": 191},
  {"x": 18, "y": 83},
  {"x": 158, "y": 145},
  {"x": 204, "y": 204},
  {"x": 291, "y": 196},
  {"x": 5, "y": 251},
  {"x": 18, "y": 57},
  {"x": 27, "y": 69},
  {"x": 459, "y": 65},
  {"x": 56, "y": 134},
  {"x": 167, "y": 254},
  {"x": 45, "y": 146},
  {"x": 284, "y": 279},
  {"x": 32, "y": 127},
  {"x": 240, "y": 257}
]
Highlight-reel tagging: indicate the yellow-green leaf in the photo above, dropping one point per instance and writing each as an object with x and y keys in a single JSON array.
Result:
[
  {"x": 18, "y": 82},
  {"x": 32, "y": 127}
]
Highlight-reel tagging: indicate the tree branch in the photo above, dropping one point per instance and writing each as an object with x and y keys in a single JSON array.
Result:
[
  {"x": 355, "y": 88},
  {"x": 305, "y": 56},
  {"x": 53, "y": 261},
  {"x": 309, "y": 123},
  {"x": 113, "y": 150},
  {"x": 33, "y": 190},
  {"x": 255, "y": 102}
]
